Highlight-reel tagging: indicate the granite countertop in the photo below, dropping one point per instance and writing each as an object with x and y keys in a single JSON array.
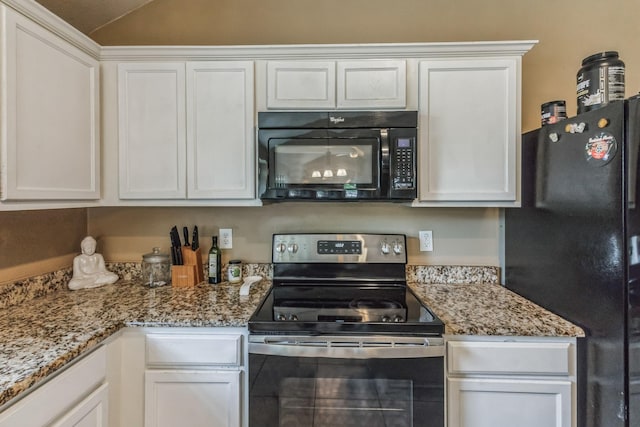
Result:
[{"x": 41, "y": 335}]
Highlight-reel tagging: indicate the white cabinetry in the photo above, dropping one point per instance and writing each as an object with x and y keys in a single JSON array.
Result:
[
  {"x": 507, "y": 382},
  {"x": 220, "y": 120},
  {"x": 91, "y": 412},
  {"x": 336, "y": 84},
  {"x": 186, "y": 130},
  {"x": 78, "y": 396},
  {"x": 195, "y": 377},
  {"x": 469, "y": 130},
  {"x": 152, "y": 131},
  {"x": 49, "y": 106}
]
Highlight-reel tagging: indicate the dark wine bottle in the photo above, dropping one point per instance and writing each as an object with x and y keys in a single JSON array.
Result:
[{"x": 215, "y": 262}]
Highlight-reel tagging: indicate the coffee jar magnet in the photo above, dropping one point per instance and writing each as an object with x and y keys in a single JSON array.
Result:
[{"x": 599, "y": 81}]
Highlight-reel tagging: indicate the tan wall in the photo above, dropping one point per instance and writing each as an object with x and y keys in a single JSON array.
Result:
[
  {"x": 35, "y": 242},
  {"x": 467, "y": 236},
  {"x": 568, "y": 30}
]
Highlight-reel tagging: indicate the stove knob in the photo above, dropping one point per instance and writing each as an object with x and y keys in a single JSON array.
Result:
[
  {"x": 385, "y": 319},
  {"x": 397, "y": 248},
  {"x": 293, "y": 317},
  {"x": 281, "y": 317},
  {"x": 281, "y": 247},
  {"x": 385, "y": 248},
  {"x": 293, "y": 248},
  {"x": 397, "y": 318}
]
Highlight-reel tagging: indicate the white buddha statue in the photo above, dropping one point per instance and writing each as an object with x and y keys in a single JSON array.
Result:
[{"x": 89, "y": 270}]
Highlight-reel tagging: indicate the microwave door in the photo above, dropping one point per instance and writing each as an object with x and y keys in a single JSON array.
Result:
[{"x": 325, "y": 164}]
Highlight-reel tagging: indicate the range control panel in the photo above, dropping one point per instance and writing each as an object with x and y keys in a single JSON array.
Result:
[{"x": 339, "y": 248}]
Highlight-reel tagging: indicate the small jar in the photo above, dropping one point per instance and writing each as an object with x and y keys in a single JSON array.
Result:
[
  {"x": 156, "y": 268},
  {"x": 234, "y": 271}
]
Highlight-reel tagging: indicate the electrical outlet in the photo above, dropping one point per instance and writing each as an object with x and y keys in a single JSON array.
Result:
[
  {"x": 226, "y": 238},
  {"x": 426, "y": 240}
]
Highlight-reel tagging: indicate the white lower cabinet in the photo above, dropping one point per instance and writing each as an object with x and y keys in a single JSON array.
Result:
[
  {"x": 192, "y": 397},
  {"x": 193, "y": 378},
  {"x": 506, "y": 382},
  {"x": 91, "y": 412},
  {"x": 78, "y": 397},
  {"x": 166, "y": 377}
]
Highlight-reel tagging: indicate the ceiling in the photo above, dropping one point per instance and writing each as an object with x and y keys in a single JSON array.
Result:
[{"x": 89, "y": 15}]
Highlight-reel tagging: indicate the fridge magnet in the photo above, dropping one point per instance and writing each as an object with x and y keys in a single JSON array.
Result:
[{"x": 601, "y": 149}]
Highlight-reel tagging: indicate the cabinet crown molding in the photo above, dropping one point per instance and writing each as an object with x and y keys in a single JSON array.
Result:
[
  {"x": 319, "y": 51},
  {"x": 55, "y": 24}
]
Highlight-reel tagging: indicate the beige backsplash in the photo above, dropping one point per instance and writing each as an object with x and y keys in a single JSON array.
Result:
[
  {"x": 461, "y": 236},
  {"x": 40, "y": 241}
]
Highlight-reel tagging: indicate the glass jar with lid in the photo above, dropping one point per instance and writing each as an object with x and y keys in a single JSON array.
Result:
[
  {"x": 234, "y": 271},
  {"x": 156, "y": 268}
]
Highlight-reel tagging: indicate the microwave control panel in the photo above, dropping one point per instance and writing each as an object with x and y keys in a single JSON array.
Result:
[{"x": 403, "y": 163}]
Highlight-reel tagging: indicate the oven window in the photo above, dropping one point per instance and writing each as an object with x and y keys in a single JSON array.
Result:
[
  {"x": 324, "y": 161},
  {"x": 323, "y": 392}
]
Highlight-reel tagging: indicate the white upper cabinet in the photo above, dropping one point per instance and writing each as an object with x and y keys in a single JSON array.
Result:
[
  {"x": 336, "y": 84},
  {"x": 469, "y": 130},
  {"x": 301, "y": 84},
  {"x": 152, "y": 136},
  {"x": 371, "y": 84},
  {"x": 186, "y": 130},
  {"x": 49, "y": 97},
  {"x": 220, "y": 118}
]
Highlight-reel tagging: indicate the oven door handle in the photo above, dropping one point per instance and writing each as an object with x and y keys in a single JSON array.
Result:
[{"x": 347, "y": 347}]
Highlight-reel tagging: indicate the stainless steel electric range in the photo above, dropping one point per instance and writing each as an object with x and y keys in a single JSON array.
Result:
[{"x": 341, "y": 339}]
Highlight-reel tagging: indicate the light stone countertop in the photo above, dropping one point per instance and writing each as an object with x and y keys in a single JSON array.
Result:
[{"x": 41, "y": 335}]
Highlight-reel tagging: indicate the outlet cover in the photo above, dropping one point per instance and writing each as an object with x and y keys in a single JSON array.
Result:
[
  {"x": 426, "y": 240},
  {"x": 226, "y": 238}
]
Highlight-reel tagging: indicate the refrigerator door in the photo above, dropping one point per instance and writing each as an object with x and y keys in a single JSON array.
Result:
[
  {"x": 633, "y": 236},
  {"x": 566, "y": 250}
]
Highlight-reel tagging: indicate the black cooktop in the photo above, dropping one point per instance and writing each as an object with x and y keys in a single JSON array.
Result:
[{"x": 344, "y": 309}]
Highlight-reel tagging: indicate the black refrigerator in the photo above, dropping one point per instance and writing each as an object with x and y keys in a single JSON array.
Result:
[{"x": 573, "y": 248}]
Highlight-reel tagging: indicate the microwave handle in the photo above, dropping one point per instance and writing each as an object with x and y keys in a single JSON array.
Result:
[{"x": 384, "y": 151}]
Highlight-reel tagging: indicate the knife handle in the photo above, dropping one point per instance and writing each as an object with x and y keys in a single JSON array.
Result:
[
  {"x": 195, "y": 244},
  {"x": 185, "y": 233}
]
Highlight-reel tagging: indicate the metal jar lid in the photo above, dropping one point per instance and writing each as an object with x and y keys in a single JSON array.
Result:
[{"x": 155, "y": 257}]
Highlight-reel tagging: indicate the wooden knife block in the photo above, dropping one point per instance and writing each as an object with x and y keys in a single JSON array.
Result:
[{"x": 191, "y": 272}]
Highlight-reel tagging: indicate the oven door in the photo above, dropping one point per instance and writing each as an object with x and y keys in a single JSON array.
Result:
[
  {"x": 321, "y": 164},
  {"x": 346, "y": 381}
]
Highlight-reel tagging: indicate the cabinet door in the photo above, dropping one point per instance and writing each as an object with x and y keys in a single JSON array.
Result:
[
  {"x": 507, "y": 403},
  {"x": 372, "y": 84},
  {"x": 469, "y": 128},
  {"x": 220, "y": 121},
  {"x": 91, "y": 412},
  {"x": 49, "y": 114},
  {"x": 301, "y": 84},
  {"x": 194, "y": 398},
  {"x": 151, "y": 128}
]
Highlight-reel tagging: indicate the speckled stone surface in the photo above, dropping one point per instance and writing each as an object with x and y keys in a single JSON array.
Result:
[
  {"x": 44, "y": 328},
  {"x": 446, "y": 274},
  {"x": 39, "y": 337},
  {"x": 490, "y": 309}
]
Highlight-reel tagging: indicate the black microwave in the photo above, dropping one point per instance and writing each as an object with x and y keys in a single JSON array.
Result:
[{"x": 337, "y": 156}]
